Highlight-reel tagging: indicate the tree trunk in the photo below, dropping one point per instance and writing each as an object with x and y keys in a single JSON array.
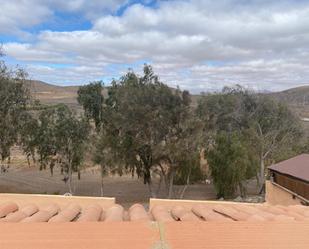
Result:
[
  {"x": 262, "y": 171},
  {"x": 70, "y": 179},
  {"x": 159, "y": 185},
  {"x": 28, "y": 160},
  {"x": 186, "y": 186},
  {"x": 171, "y": 184},
  {"x": 242, "y": 190},
  {"x": 33, "y": 157},
  {"x": 102, "y": 181},
  {"x": 151, "y": 192}
]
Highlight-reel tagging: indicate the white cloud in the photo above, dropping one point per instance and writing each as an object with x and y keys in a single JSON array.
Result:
[
  {"x": 195, "y": 44},
  {"x": 18, "y": 14},
  {"x": 15, "y": 15}
]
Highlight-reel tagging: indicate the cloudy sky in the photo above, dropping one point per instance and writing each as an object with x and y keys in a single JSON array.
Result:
[{"x": 200, "y": 45}]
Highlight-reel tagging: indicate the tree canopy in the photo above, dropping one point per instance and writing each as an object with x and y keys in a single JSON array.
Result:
[{"x": 14, "y": 99}]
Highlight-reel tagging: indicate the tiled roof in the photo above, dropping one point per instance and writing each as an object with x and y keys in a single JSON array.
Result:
[
  {"x": 52, "y": 213},
  {"x": 297, "y": 167},
  {"x": 36, "y": 222}
]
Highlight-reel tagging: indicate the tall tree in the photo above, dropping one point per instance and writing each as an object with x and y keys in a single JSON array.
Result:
[
  {"x": 14, "y": 99},
  {"x": 268, "y": 125},
  {"x": 46, "y": 141},
  {"x": 272, "y": 127},
  {"x": 71, "y": 135},
  {"x": 230, "y": 163},
  {"x": 91, "y": 98},
  {"x": 140, "y": 116},
  {"x": 28, "y": 135}
]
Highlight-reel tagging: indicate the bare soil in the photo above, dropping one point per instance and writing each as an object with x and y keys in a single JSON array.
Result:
[
  {"x": 20, "y": 178},
  {"x": 126, "y": 189}
]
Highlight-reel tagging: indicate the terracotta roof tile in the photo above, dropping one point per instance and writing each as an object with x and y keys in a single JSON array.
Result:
[
  {"x": 114, "y": 213},
  {"x": 68, "y": 214},
  {"x": 231, "y": 212},
  {"x": 180, "y": 213},
  {"x": 11, "y": 212},
  {"x": 161, "y": 213},
  {"x": 21, "y": 214},
  {"x": 90, "y": 213},
  {"x": 43, "y": 215},
  {"x": 208, "y": 214},
  {"x": 138, "y": 212},
  {"x": 7, "y": 208},
  {"x": 195, "y": 226}
]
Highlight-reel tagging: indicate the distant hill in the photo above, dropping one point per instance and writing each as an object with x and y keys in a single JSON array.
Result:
[
  {"x": 297, "y": 98},
  {"x": 52, "y": 94}
]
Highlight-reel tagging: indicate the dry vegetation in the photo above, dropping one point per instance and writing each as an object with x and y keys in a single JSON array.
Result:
[{"x": 21, "y": 178}]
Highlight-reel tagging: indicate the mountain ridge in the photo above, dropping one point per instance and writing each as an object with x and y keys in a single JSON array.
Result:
[{"x": 297, "y": 98}]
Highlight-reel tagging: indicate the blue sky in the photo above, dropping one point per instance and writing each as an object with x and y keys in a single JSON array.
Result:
[{"x": 199, "y": 45}]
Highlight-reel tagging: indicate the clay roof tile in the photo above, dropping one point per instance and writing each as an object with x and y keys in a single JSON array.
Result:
[
  {"x": 7, "y": 208},
  {"x": 138, "y": 212},
  {"x": 90, "y": 213},
  {"x": 114, "y": 213},
  {"x": 67, "y": 214},
  {"x": 43, "y": 215}
]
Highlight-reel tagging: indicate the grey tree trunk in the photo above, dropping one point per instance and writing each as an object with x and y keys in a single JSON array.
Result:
[
  {"x": 186, "y": 186},
  {"x": 242, "y": 190},
  {"x": 262, "y": 171},
  {"x": 102, "y": 181},
  {"x": 28, "y": 161},
  {"x": 70, "y": 179},
  {"x": 171, "y": 184},
  {"x": 159, "y": 185},
  {"x": 151, "y": 192}
]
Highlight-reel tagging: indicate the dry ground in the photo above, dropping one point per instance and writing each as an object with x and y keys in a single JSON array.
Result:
[
  {"x": 126, "y": 189},
  {"x": 21, "y": 178}
]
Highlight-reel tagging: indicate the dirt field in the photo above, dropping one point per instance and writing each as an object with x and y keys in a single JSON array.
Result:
[
  {"x": 126, "y": 189},
  {"x": 21, "y": 178}
]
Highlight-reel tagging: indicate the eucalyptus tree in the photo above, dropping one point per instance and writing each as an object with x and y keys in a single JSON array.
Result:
[
  {"x": 29, "y": 128},
  {"x": 230, "y": 163},
  {"x": 91, "y": 98},
  {"x": 46, "y": 140},
  {"x": 14, "y": 99},
  {"x": 273, "y": 127},
  {"x": 142, "y": 117},
  {"x": 71, "y": 135},
  {"x": 267, "y": 125},
  {"x": 62, "y": 139}
]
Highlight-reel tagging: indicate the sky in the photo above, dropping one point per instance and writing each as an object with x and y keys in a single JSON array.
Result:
[{"x": 198, "y": 45}]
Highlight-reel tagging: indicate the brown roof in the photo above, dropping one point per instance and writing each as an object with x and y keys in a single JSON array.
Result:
[
  {"x": 168, "y": 224},
  {"x": 297, "y": 167}
]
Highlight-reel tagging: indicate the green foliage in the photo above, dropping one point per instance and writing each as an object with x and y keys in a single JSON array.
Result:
[
  {"x": 71, "y": 135},
  {"x": 139, "y": 113},
  {"x": 270, "y": 130},
  {"x": 61, "y": 138},
  {"x": 46, "y": 141},
  {"x": 28, "y": 135},
  {"x": 145, "y": 124},
  {"x": 230, "y": 163},
  {"x": 14, "y": 98},
  {"x": 91, "y": 98}
]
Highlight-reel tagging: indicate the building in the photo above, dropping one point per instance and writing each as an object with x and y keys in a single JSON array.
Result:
[
  {"x": 65, "y": 222},
  {"x": 289, "y": 181}
]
